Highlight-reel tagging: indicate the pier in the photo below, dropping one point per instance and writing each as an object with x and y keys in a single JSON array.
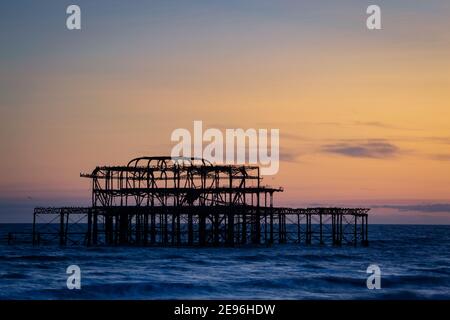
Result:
[{"x": 159, "y": 201}]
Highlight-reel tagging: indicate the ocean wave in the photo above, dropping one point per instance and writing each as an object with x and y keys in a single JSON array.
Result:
[
  {"x": 421, "y": 280},
  {"x": 14, "y": 275},
  {"x": 409, "y": 270},
  {"x": 43, "y": 258}
]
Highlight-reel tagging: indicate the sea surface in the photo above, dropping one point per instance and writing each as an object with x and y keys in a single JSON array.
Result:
[{"x": 414, "y": 262}]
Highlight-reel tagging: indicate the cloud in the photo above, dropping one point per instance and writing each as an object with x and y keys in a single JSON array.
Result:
[
  {"x": 441, "y": 157},
  {"x": 373, "y": 124},
  {"x": 444, "y": 140},
  {"x": 427, "y": 208},
  {"x": 288, "y": 155},
  {"x": 369, "y": 149},
  {"x": 383, "y": 125},
  {"x": 376, "y": 124},
  {"x": 290, "y": 136}
]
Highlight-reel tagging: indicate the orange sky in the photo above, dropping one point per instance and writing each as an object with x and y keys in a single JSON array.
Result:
[{"x": 363, "y": 115}]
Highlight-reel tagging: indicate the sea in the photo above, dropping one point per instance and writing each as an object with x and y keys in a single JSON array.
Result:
[{"x": 414, "y": 263}]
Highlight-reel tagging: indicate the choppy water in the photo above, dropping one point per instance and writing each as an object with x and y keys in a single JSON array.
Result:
[{"x": 414, "y": 261}]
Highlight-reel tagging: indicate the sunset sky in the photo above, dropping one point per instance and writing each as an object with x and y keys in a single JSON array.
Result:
[{"x": 364, "y": 115}]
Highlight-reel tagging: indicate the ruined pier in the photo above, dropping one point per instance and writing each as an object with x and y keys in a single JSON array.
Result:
[{"x": 159, "y": 201}]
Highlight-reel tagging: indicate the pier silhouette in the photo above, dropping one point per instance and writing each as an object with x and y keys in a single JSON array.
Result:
[{"x": 161, "y": 201}]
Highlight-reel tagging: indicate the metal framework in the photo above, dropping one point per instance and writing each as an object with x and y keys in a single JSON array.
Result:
[{"x": 159, "y": 201}]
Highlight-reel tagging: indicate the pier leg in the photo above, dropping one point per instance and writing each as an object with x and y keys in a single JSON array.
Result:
[
  {"x": 256, "y": 234},
  {"x": 190, "y": 230},
  {"x": 271, "y": 228},
  {"x": 145, "y": 228},
  {"x": 34, "y": 228},
  {"x": 265, "y": 225},
  {"x": 174, "y": 229},
  {"x": 366, "y": 229},
  {"x": 161, "y": 228},
  {"x": 89, "y": 228},
  {"x": 61, "y": 228},
  {"x": 178, "y": 229},
  {"x": 230, "y": 227},
  {"x": 138, "y": 227},
  {"x": 308, "y": 228},
  {"x": 321, "y": 229},
  {"x": 166, "y": 231},
  {"x": 95, "y": 228},
  {"x": 116, "y": 229},
  {"x": 280, "y": 229},
  {"x": 201, "y": 229},
  {"x": 333, "y": 228},
  {"x": 123, "y": 229},
  {"x": 244, "y": 228},
  {"x": 152, "y": 228},
  {"x": 108, "y": 229},
  {"x": 216, "y": 230}
]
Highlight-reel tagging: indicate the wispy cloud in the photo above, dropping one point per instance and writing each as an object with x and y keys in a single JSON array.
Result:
[
  {"x": 377, "y": 124},
  {"x": 444, "y": 140},
  {"x": 441, "y": 157},
  {"x": 369, "y": 149},
  {"x": 288, "y": 155},
  {"x": 382, "y": 125},
  {"x": 427, "y": 208},
  {"x": 290, "y": 136}
]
